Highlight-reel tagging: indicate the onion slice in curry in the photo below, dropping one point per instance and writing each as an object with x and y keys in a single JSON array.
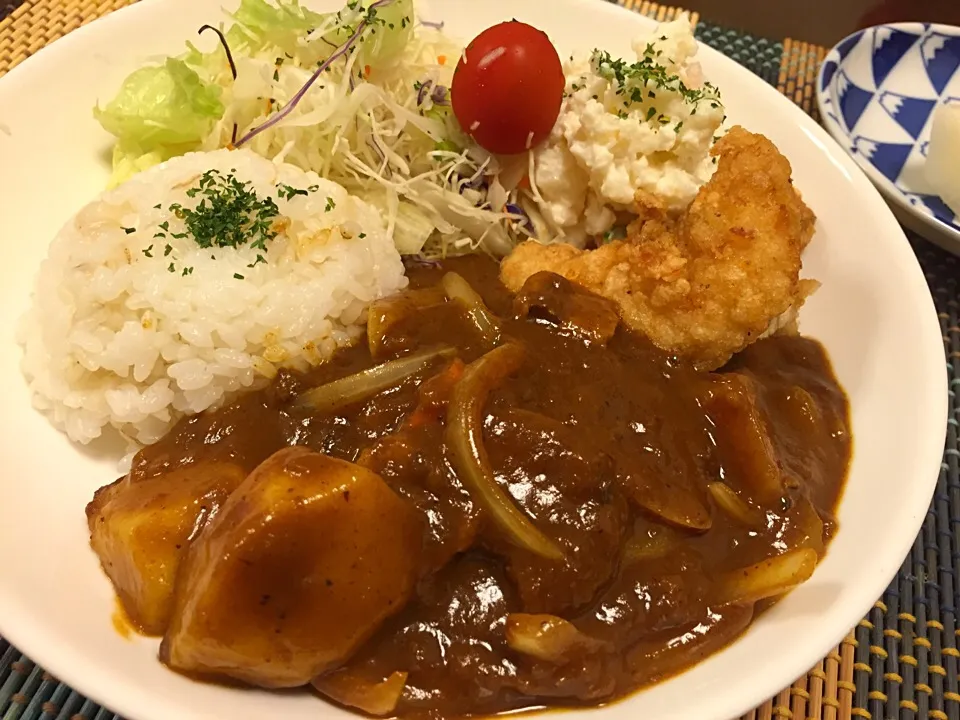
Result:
[
  {"x": 352, "y": 689},
  {"x": 645, "y": 547},
  {"x": 464, "y": 436},
  {"x": 735, "y": 506},
  {"x": 548, "y": 637},
  {"x": 766, "y": 579},
  {"x": 353, "y": 388},
  {"x": 460, "y": 291}
]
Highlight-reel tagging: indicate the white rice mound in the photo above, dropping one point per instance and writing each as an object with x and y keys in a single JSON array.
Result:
[{"x": 114, "y": 338}]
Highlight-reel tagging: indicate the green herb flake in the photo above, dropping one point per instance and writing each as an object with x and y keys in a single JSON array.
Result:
[
  {"x": 129, "y": 231},
  {"x": 647, "y": 76},
  {"x": 330, "y": 204},
  {"x": 167, "y": 250},
  {"x": 170, "y": 267},
  {"x": 238, "y": 276},
  {"x": 362, "y": 235},
  {"x": 148, "y": 251},
  {"x": 288, "y": 192},
  {"x": 229, "y": 214}
]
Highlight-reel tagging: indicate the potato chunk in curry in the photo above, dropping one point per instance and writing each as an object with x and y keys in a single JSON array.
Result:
[
  {"x": 303, "y": 563},
  {"x": 140, "y": 530}
]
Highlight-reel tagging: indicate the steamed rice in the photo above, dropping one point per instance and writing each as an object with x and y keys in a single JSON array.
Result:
[{"x": 126, "y": 333}]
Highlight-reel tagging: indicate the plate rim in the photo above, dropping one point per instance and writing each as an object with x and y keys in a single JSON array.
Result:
[
  {"x": 926, "y": 219},
  {"x": 96, "y": 685}
]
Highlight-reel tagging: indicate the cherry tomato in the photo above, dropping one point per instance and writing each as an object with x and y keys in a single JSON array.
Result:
[{"x": 508, "y": 87}]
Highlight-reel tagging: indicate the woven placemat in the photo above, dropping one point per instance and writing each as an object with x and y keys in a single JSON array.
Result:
[{"x": 899, "y": 663}]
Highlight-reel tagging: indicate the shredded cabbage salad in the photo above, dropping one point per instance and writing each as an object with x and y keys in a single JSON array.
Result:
[{"x": 376, "y": 119}]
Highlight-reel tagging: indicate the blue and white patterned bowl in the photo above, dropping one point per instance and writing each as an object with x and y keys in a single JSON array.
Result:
[{"x": 877, "y": 90}]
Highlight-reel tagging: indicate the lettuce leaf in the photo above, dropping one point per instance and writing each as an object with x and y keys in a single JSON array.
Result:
[
  {"x": 259, "y": 25},
  {"x": 169, "y": 109},
  {"x": 387, "y": 38},
  {"x": 162, "y": 105}
]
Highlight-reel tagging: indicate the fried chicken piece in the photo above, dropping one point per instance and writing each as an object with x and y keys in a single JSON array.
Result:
[{"x": 705, "y": 285}]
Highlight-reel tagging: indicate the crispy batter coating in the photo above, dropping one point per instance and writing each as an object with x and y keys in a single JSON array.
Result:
[{"x": 705, "y": 285}]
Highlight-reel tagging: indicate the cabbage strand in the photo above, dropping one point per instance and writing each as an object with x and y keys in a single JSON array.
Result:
[{"x": 339, "y": 52}]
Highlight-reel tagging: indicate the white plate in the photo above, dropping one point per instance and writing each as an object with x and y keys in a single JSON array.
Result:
[
  {"x": 874, "y": 313},
  {"x": 877, "y": 90}
]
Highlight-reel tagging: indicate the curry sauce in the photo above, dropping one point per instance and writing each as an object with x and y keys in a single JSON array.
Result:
[{"x": 591, "y": 514}]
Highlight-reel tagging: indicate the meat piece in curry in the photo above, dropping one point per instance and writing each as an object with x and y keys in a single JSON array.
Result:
[{"x": 498, "y": 501}]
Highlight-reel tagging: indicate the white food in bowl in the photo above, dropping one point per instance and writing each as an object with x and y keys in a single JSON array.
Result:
[
  {"x": 943, "y": 155},
  {"x": 134, "y": 327}
]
